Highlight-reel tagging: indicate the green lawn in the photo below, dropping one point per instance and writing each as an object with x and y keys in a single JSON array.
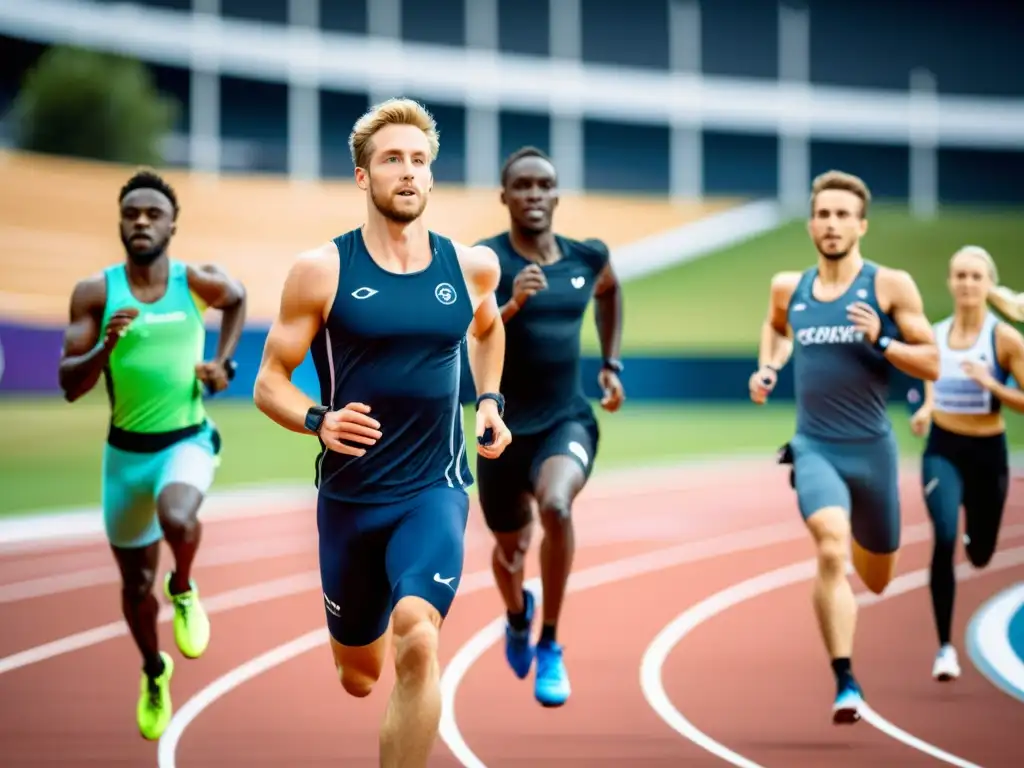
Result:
[
  {"x": 50, "y": 451},
  {"x": 716, "y": 304}
]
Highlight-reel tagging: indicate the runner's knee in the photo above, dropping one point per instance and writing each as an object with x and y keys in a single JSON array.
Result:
[
  {"x": 555, "y": 513},
  {"x": 177, "y": 507},
  {"x": 358, "y": 668},
  {"x": 510, "y": 548},
  {"x": 416, "y": 639},
  {"x": 831, "y": 531}
]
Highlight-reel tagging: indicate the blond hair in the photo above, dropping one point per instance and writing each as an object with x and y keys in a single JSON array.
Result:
[
  {"x": 391, "y": 112},
  {"x": 981, "y": 253},
  {"x": 845, "y": 182}
]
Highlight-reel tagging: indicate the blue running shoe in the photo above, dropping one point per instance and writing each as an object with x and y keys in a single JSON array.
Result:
[
  {"x": 518, "y": 650},
  {"x": 551, "y": 686},
  {"x": 846, "y": 709}
]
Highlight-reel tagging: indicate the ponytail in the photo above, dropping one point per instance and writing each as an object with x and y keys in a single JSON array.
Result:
[{"x": 1008, "y": 303}]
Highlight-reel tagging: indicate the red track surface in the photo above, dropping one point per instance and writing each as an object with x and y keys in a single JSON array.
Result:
[{"x": 754, "y": 678}]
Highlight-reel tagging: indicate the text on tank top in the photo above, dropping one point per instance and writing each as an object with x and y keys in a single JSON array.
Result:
[
  {"x": 393, "y": 341},
  {"x": 151, "y": 375},
  {"x": 541, "y": 376},
  {"x": 955, "y": 391},
  {"x": 841, "y": 381}
]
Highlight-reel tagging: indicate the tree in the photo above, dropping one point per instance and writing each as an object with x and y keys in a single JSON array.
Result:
[{"x": 95, "y": 105}]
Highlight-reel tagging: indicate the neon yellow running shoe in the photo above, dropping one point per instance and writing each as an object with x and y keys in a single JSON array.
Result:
[
  {"x": 191, "y": 624},
  {"x": 154, "y": 709}
]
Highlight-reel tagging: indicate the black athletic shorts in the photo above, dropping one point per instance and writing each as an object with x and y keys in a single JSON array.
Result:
[{"x": 501, "y": 482}]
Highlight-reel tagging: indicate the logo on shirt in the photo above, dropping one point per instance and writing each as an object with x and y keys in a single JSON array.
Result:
[
  {"x": 829, "y": 334},
  {"x": 363, "y": 293},
  {"x": 445, "y": 293},
  {"x": 578, "y": 282},
  {"x": 158, "y": 318}
]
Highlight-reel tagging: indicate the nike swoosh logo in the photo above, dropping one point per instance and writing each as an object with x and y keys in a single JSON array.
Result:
[{"x": 447, "y": 582}]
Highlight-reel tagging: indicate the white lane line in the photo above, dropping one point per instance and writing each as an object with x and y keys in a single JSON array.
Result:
[
  {"x": 73, "y": 527},
  {"x": 195, "y": 706},
  {"x": 601, "y": 574},
  {"x": 244, "y": 596},
  {"x": 218, "y": 555},
  {"x": 659, "y": 649},
  {"x": 224, "y": 601},
  {"x": 988, "y": 642},
  {"x": 492, "y": 633},
  {"x": 58, "y": 528}
]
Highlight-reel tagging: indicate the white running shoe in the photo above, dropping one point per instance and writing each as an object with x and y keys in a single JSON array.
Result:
[{"x": 947, "y": 665}]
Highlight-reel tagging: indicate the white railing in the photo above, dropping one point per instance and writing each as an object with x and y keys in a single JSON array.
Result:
[{"x": 484, "y": 78}]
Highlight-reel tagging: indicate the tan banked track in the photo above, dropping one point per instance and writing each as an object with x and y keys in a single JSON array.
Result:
[{"x": 58, "y": 223}]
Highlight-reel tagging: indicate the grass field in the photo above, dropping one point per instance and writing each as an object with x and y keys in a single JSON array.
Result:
[
  {"x": 51, "y": 452},
  {"x": 716, "y": 304}
]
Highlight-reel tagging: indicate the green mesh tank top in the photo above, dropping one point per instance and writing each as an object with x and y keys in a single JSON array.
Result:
[{"x": 151, "y": 378}]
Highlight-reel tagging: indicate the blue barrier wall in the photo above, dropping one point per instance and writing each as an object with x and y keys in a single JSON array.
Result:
[{"x": 29, "y": 357}]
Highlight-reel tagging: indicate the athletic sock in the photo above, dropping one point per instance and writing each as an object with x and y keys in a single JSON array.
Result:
[
  {"x": 154, "y": 667},
  {"x": 547, "y": 633},
  {"x": 942, "y": 583},
  {"x": 841, "y": 668},
  {"x": 173, "y": 581},
  {"x": 518, "y": 620}
]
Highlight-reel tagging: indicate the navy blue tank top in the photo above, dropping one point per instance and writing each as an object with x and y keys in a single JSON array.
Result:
[
  {"x": 393, "y": 341},
  {"x": 842, "y": 382},
  {"x": 541, "y": 377}
]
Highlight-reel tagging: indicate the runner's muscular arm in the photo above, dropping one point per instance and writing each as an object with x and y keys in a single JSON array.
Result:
[
  {"x": 776, "y": 340},
  {"x": 219, "y": 290},
  {"x": 83, "y": 357},
  {"x": 1010, "y": 351},
  {"x": 608, "y": 309},
  {"x": 918, "y": 354},
  {"x": 486, "y": 336},
  {"x": 304, "y": 299}
]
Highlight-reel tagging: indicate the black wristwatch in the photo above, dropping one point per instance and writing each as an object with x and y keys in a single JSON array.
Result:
[
  {"x": 613, "y": 365},
  {"x": 882, "y": 343},
  {"x": 230, "y": 368},
  {"x": 315, "y": 418},
  {"x": 496, "y": 397}
]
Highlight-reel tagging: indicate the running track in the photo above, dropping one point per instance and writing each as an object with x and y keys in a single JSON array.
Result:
[{"x": 690, "y": 640}]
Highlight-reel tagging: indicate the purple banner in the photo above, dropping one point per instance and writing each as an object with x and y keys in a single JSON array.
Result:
[{"x": 29, "y": 357}]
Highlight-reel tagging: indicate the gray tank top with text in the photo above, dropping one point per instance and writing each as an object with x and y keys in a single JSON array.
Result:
[{"x": 841, "y": 381}]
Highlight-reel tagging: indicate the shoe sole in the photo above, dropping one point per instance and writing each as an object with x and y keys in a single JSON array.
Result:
[
  {"x": 154, "y": 737},
  {"x": 520, "y": 675},
  {"x": 552, "y": 704}
]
